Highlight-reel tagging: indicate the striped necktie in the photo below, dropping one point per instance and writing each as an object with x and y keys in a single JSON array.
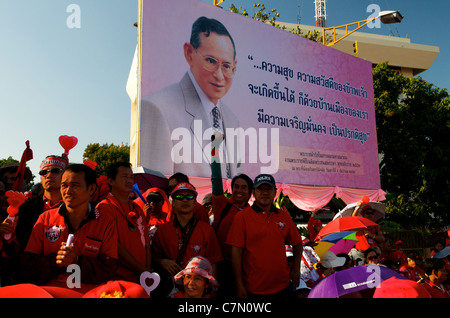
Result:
[{"x": 217, "y": 127}]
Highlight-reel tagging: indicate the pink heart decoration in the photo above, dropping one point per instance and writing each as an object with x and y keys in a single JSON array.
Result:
[
  {"x": 149, "y": 281},
  {"x": 67, "y": 142},
  {"x": 15, "y": 200}
]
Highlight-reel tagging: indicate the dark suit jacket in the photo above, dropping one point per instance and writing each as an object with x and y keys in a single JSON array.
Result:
[{"x": 178, "y": 107}]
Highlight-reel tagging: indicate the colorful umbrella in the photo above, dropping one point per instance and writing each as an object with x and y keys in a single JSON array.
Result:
[
  {"x": 351, "y": 280},
  {"x": 341, "y": 242},
  {"x": 336, "y": 237},
  {"x": 378, "y": 207},
  {"x": 346, "y": 223}
]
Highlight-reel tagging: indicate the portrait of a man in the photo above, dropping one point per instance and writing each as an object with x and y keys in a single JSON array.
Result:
[{"x": 187, "y": 113}]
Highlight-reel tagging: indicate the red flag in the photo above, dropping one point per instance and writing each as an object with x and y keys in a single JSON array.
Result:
[{"x": 20, "y": 174}]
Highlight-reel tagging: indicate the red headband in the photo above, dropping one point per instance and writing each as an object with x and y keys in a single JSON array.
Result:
[{"x": 60, "y": 162}]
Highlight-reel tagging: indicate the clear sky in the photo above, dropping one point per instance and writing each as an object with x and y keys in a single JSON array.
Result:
[{"x": 56, "y": 80}]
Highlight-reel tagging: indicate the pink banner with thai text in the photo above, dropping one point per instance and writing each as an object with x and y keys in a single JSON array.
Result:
[{"x": 291, "y": 107}]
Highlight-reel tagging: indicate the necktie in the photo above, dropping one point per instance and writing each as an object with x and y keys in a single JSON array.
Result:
[
  {"x": 216, "y": 118},
  {"x": 217, "y": 127}
]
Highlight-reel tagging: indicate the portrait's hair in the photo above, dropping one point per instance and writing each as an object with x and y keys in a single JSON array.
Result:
[{"x": 206, "y": 26}]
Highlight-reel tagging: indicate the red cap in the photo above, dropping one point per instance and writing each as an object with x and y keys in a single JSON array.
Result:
[{"x": 183, "y": 186}]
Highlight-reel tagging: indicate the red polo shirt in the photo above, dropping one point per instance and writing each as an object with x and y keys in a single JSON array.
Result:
[
  {"x": 263, "y": 239},
  {"x": 95, "y": 242},
  {"x": 222, "y": 224},
  {"x": 203, "y": 242},
  {"x": 132, "y": 231},
  {"x": 47, "y": 206}
]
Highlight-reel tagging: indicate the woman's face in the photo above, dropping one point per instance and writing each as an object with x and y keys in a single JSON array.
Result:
[
  {"x": 194, "y": 285},
  {"x": 372, "y": 258}
]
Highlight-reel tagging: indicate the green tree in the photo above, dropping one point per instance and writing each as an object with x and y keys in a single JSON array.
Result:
[
  {"x": 413, "y": 128},
  {"x": 106, "y": 154},
  {"x": 8, "y": 160}
]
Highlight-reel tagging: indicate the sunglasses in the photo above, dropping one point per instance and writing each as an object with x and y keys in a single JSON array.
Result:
[
  {"x": 53, "y": 170},
  {"x": 154, "y": 199},
  {"x": 180, "y": 197},
  {"x": 371, "y": 258}
]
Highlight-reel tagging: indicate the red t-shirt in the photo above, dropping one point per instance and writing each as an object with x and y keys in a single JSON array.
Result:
[
  {"x": 203, "y": 242},
  {"x": 224, "y": 223},
  {"x": 131, "y": 229},
  {"x": 263, "y": 240}
]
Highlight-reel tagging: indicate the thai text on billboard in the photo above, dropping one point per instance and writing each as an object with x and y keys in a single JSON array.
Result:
[{"x": 285, "y": 105}]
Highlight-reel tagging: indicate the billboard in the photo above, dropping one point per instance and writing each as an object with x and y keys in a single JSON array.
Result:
[{"x": 286, "y": 105}]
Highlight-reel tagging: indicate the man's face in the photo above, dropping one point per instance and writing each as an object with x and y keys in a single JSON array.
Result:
[
  {"x": 124, "y": 180},
  {"x": 264, "y": 195},
  {"x": 51, "y": 181},
  {"x": 442, "y": 274},
  {"x": 219, "y": 47},
  {"x": 183, "y": 206},
  {"x": 74, "y": 191},
  {"x": 240, "y": 191}
]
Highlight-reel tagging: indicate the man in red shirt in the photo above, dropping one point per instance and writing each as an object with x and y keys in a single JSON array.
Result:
[
  {"x": 134, "y": 240},
  {"x": 94, "y": 248},
  {"x": 51, "y": 170},
  {"x": 411, "y": 269},
  {"x": 200, "y": 211},
  {"x": 436, "y": 276},
  {"x": 258, "y": 237},
  {"x": 184, "y": 236},
  {"x": 224, "y": 210}
]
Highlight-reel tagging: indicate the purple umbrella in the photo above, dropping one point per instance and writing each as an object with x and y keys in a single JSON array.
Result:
[{"x": 351, "y": 280}]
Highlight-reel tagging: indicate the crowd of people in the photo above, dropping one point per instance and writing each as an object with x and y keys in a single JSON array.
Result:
[
  {"x": 373, "y": 248},
  {"x": 221, "y": 247}
]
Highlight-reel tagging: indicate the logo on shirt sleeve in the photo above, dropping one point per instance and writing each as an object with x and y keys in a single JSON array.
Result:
[
  {"x": 53, "y": 233},
  {"x": 196, "y": 249},
  {"x": 282, "y": 225}
]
